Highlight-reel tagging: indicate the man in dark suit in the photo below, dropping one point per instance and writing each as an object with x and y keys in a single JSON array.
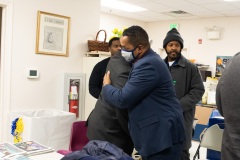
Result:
[
  {"x": 108, "y": 123},
  {"x": 228, "y": 104},
  {"x": 98, "y": 72},
  {"x": 155, "y": 115}
]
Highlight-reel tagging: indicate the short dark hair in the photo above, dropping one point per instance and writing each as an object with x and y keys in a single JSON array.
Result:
[
  {"x": 113, "y": 39},
  {"x": 136, "y": 35}
]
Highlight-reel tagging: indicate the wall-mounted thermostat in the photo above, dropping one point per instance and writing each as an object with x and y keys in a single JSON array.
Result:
[{"x": 33, "y": 73}]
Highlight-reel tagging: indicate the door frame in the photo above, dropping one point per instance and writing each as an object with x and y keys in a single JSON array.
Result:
[{"x": 5, "y": 70}]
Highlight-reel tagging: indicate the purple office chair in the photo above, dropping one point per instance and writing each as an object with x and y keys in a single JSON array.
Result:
[{"x": 78, "y": 137}]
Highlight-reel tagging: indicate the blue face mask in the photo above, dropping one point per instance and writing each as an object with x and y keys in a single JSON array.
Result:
[{"x": 128, "y": 55}]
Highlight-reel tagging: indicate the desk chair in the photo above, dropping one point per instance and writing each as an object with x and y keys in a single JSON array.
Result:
[
  {"x": 78, "y": 137},
  {"x": 210, "y": 138}
]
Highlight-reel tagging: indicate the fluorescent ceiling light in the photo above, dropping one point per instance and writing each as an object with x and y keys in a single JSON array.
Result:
[{"x": 121, "y": 6}]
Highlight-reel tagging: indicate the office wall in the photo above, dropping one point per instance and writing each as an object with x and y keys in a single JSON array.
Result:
[
  {"x": 108, "y": 22},
  {"x": 191, "y": 31},
  {"x": 46, "y": 92}
]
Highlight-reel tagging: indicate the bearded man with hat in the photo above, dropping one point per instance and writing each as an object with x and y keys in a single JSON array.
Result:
[{"x": 187, "y": 81}]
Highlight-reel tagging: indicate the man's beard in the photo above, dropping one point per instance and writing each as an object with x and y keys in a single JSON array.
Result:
[{"x": 173, "y": 58}]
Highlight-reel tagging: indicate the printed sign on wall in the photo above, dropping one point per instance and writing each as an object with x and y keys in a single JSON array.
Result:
[{"x": 221, "y": 62}]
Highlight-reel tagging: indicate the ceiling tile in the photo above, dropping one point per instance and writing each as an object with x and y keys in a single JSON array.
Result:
[
  {"x": 219, "y": 7},
  {"x": 155, "y": 6},
  {"x": 204, "y": 1},
  {"x": 172, "y": 3},
  {"x": 157, "y": 9},
  {"x": 231, "y": 13}
]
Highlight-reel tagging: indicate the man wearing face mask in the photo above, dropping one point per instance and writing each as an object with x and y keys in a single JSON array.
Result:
[
  {"x": 187, "y": 82},
  {"x": 155, "y": 115}
]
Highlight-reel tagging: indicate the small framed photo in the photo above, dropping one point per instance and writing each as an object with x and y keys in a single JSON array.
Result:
[{"x": 52, "y": 34}]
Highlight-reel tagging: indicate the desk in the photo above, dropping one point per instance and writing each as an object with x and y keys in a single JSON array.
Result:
[{"x": 47, "y": 156}]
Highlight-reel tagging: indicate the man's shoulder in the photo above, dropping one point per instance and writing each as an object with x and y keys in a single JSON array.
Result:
[
  {"x": 151, "y": 55},
  {"x": 152, "y": 59},
  {"x": 103, "y": 62},
  {"x": 187, "y": 63},
  {"x": 101, "y": 65}
]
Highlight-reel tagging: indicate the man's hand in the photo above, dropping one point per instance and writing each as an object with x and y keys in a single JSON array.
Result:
[{"x": 106, "y": 79}]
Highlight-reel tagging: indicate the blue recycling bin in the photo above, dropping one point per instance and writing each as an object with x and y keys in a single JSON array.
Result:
[{"x": 215, "y": 118}]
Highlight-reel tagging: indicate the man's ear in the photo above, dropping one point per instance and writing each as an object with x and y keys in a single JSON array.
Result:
[{"x": 140, "y": 47}]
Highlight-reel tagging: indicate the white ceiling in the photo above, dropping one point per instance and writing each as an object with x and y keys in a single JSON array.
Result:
[{"x": 159, "y": 10}]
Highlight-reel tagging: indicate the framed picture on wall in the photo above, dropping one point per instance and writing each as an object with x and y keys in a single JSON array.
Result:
[{"x": 52, "y": 34}]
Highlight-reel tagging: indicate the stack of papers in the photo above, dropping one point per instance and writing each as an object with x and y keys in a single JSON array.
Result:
[{"x": 10, "y": 151}]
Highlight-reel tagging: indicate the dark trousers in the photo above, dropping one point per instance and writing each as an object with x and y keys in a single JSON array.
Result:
[
  {"x": 172, "y": 153},
  {"x": 185, "y": 155}
]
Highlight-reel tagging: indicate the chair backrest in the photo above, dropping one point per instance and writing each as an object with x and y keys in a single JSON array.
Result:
[
  {"x": 212, "y": 138},
  {"x": 195, "y": 122},
  {"x": 78, "y": 136}
]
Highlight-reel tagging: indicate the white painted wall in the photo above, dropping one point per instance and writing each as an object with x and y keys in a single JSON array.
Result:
[
  {"x": 108, "y": 22},
  {"x": 47, "y": 91},
  {"x": 191, "y": 31}
]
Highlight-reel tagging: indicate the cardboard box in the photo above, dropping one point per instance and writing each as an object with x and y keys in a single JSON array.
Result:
[{"x": 202, "y": 114}]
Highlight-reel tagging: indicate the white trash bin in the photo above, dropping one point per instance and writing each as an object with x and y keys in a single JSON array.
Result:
[{"x": 50, "y": 127}]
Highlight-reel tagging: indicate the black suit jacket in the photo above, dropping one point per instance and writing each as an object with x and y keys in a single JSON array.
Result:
[
  {"x": 96, "y": 78},
  {"x": 109, "y": 123}
]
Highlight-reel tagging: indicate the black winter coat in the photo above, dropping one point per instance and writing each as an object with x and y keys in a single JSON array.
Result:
[
  {"x": 189, "y": 90},
  {"x": 106, "y": 122}
]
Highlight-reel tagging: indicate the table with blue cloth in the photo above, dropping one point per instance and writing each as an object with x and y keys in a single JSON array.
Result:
[{"x": 215, "y": 118}]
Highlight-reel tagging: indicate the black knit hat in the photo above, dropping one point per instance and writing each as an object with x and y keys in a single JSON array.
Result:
[{"x": 173, "y": 35}]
